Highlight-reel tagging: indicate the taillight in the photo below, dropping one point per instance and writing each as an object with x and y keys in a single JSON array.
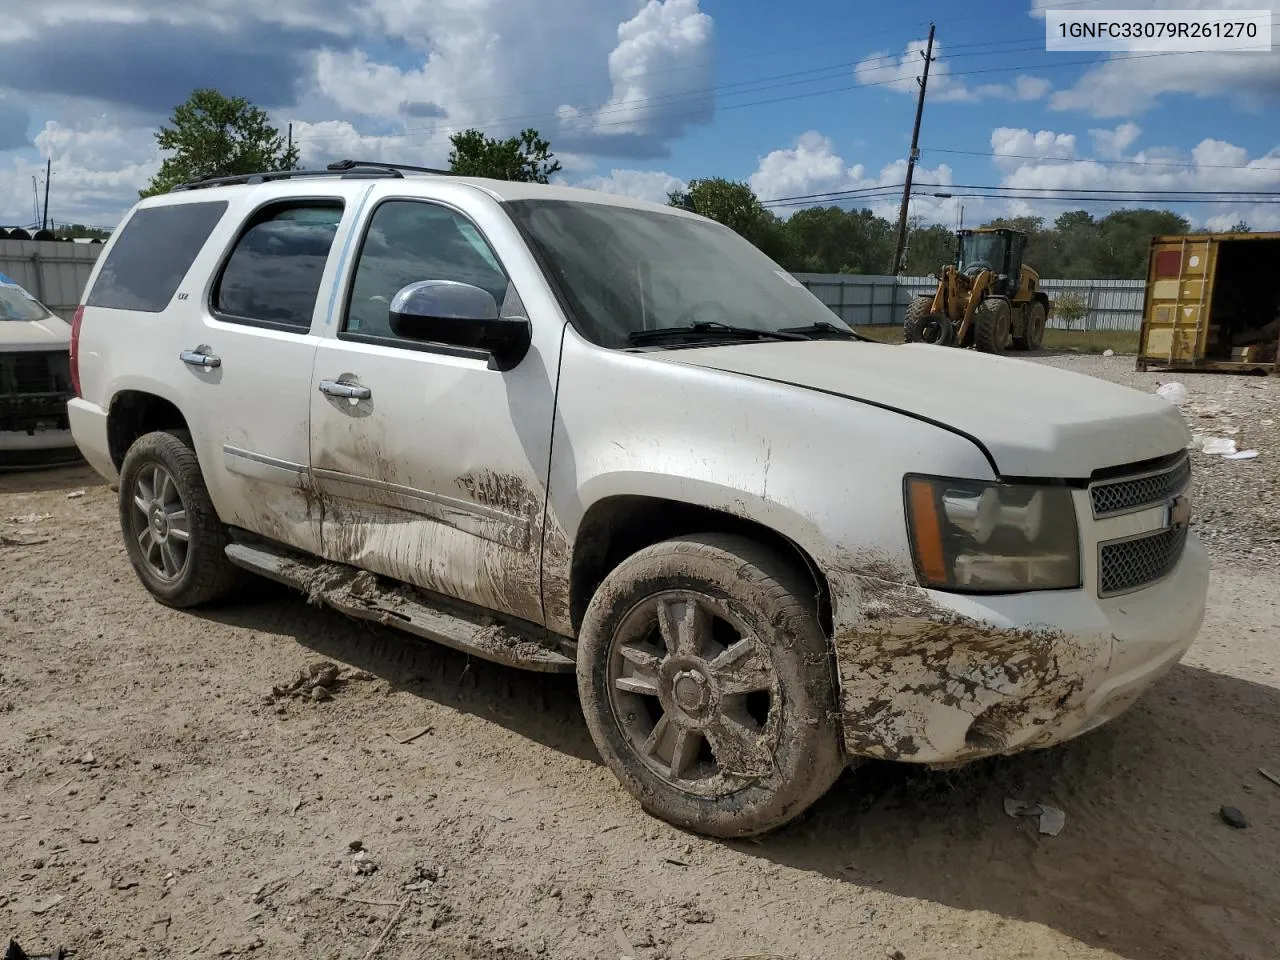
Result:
[{"x": 75, "y": 349}]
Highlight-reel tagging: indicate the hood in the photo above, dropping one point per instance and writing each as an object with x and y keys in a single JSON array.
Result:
[
  {"x": 51, "y": 333},
  {"x": 1032, "y": 420}
]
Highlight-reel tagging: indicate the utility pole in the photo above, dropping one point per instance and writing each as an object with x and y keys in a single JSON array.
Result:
[
  {"x": 900, "y": 249},
  {"x": 48, "y": 172},
  {"x": 289, "y": 151}
]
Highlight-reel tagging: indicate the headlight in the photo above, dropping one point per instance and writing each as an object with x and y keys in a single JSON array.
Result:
[{"x": 992, "y": 537}]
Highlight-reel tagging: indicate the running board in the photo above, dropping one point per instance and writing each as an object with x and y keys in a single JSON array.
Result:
[{"x": 358, "y": 593}]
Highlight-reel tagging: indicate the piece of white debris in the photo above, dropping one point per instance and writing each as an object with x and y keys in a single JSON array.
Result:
[
  {"x": 1218, "y": 446},
  {"x": 1108, "y": 352},
  {"x": 75, "y": 494},
  {"x": 1052, "y": 820},
  {"x": 1175, "y": 392},
  {"x": 1240, "y": 455}
]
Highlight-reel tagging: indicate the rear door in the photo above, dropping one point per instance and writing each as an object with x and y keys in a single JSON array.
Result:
[
  {"x": 249, "y": 356},
  {"x": 1175, "y": 327}
]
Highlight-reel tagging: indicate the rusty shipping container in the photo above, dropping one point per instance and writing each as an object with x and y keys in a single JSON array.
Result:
[{"x": 1212, "y": 303}]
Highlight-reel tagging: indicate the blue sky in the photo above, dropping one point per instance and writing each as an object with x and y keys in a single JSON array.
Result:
[{"x": 638, "y": 96}]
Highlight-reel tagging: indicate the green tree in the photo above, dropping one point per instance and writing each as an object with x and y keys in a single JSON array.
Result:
[
  {"x": 735, "y": 204},
  {"x": 1124, "y": 240},
  {"x": 928, "y": 248},
  {"x": 526, "y": 157},
  {"x": 215, "y": 135},
  {"x": 1074, "y": 242},
  {"x": 69, "y": 231},
  {"x": 1240, "y": 226},
  {"x": 831, "y": 240}
]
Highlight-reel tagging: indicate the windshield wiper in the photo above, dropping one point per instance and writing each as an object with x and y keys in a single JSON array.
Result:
[
  {"x": 822, "y": 330},
  {"x": 709, "y": 329}
]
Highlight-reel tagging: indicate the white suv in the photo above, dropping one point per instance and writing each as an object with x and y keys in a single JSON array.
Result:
[{"x": 574, "y": 432}]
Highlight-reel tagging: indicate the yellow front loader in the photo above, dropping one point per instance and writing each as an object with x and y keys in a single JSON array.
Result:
[{"x": 988, "y": 298}]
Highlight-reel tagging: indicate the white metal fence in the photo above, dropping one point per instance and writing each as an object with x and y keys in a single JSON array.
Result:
[
  {"x": 873, "y": 301},
  {"x": 56, "y": 271},
  {"x": 53, "y": 271}
]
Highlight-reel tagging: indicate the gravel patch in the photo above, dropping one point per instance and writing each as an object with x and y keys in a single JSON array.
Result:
[{"x": 1236, "y": 503}]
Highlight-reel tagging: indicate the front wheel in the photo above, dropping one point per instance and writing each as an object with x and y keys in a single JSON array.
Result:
[
  {"x": 171, "y": 530},
  {"x": 708, "y": 685},
  {"x": 991, "y": 325}
]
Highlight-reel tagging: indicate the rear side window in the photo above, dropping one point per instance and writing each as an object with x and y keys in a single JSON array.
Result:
[
  {"x": 272, "y": 277},
  {"x": 152, "y": 254}
]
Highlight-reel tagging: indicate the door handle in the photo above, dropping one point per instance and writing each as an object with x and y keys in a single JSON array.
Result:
[
  {"x": 351, "y": 391},
  {"x": 197, "y": 358}
]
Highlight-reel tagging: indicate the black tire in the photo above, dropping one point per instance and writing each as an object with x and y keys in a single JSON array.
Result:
[
  {"x": 991, "y": 325},
  {"x": 1032, "y": 328},
  {"x": 934, "y": 329},
  {"x": 204, "y": 573},
  {"x": 778, "y": 752},
  {"x": 918, "y": 309}
]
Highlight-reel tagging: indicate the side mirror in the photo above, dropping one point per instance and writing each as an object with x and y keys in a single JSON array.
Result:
[{"x": 459, "y": 315}]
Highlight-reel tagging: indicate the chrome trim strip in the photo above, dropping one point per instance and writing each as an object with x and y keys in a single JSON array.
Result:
[
  {"x": 259, "y": 466},
  {"x": 488, "y": 523}
]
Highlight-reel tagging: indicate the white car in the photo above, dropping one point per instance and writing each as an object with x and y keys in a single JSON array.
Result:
[
  {"x": 575, "y": 432},
  {"x": 35, "y": 382}
]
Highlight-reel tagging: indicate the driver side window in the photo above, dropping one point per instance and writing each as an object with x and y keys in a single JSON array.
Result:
[{"x": 412, "y": 240}]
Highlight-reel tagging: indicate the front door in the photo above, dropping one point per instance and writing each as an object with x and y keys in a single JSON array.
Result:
[{"x": 431, "y": 467}]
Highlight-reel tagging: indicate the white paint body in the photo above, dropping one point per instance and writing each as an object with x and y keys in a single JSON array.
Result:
[{"x": 810, "y": 439}]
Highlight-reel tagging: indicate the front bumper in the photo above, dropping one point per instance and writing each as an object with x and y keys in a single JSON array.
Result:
[
  {"x": 938, "y": 678},
  {"x": 36, "y": 449}
]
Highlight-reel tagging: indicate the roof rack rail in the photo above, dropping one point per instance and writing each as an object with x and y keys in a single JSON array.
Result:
[
  {"x": 343, "y": 165},
  {"x": 340, "y": 168}
]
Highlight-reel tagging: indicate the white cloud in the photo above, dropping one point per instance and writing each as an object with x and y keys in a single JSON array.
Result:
[
  {"x": 899, "y": 75},
  {"x": 638, "y": 72},
  {"x": 1130, "y": 83},
  {"x": 652, "y": 185},
  {"x": 813, "y": 167},
  {"x": 643, "y": 79},
  {"x": 1111, "y": 144},
  {"x": 663, "y": 52},
  {"x": 1010, "y": 145},
  {"x": 1212, "y": 165},
  {"x": 97, "y": 171}
]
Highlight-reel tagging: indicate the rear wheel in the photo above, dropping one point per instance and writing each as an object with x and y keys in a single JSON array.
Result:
[
  {"x": 991, "y": 325},
  {"x": 1033, "y": 329},
  {"x": 708, "y": 685},
  {"x": 171, "y": 530}
]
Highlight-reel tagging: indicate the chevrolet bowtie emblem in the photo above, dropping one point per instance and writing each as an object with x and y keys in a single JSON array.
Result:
[{"x": 1179, "y": 512}]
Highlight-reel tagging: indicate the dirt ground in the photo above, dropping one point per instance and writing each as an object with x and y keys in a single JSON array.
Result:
[{"x": 154, "y": 802}]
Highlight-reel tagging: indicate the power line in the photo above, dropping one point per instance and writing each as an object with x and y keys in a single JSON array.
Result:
[
  {"x": 1138, "y": 163},
  {"x": 1136, "y": 199},
  {"x": 998, "y": 192}
]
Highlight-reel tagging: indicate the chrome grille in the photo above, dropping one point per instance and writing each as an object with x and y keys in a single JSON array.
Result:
[
  {"x": 1126, "y": 494},
  {"x": 1135, "y": 562}
]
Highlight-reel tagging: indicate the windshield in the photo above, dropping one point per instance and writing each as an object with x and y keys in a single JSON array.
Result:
[
  {"x": 982, "y": 250},
  {"x": 628, "y": 271},
  {"x": 17, "y": 304}
]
